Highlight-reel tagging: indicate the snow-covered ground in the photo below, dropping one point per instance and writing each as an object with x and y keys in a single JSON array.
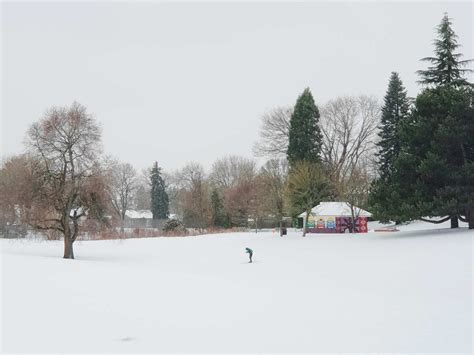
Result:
[{"x": 408, "y": 291}]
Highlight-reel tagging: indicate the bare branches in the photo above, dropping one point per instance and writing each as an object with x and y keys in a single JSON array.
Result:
[
  {"x": 122, "y": 186},
  {"x": 64, "y": 147},
  {"x": 231, "y": 171},
  {"x": 349, "y": 126},
  {"x": 274, "y": 133}
]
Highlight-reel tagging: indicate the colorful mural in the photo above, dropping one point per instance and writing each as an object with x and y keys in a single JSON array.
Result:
[{"x": 334, "y": 224}]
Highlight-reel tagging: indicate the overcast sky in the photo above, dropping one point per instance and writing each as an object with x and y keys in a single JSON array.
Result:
[{"x": 180, "y": 82}]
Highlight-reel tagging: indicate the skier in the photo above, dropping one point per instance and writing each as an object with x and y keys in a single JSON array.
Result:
[{"x": 250, "y": 253}]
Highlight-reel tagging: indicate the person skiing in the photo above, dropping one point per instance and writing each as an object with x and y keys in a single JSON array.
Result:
[{"x": 250, "y": 253}]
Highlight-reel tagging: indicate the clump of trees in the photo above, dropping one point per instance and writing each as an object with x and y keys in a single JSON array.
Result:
[{"x": 427, "y": 156}]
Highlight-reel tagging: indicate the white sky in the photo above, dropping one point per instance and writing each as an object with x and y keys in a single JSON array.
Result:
[{"x": 180, "y": 82}]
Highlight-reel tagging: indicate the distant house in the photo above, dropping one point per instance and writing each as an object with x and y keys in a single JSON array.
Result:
[
  {"x": 336, "y": 217},
  {"x": 143, "y": 219},
  {"x": 138, "y": 219}
]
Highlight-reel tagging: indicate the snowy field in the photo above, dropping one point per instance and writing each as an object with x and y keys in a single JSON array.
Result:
[{"x": 409, "y": 291}]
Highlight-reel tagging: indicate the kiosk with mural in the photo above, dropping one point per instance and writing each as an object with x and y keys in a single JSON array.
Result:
[{"x": 336, "y": 217}]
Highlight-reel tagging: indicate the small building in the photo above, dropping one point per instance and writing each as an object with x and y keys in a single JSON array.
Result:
[
  {"x": 336, "y": 217},
  {"x": 138, "y": 219}
]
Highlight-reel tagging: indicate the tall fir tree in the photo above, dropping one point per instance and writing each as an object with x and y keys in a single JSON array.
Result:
[
  {"x": 433, "y": 173},
  {"x": 159, "y": 197},
  {"x": 395, "y": 110},
  {"x": 305, "y": 138},
  {"x": 447, "y": 67}
]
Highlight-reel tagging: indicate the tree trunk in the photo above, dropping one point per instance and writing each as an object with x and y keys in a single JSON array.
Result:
[
  {"x": 281, "y": 228},
  {"x": 454, "y": 222},
  {"x": 68, "y": 250},
  {"x": 305, "y": 223},
  {"x": 470, "y": 217},
  {"x": 122, "y": 222}
]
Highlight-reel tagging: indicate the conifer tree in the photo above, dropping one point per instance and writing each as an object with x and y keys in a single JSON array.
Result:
[
  {"x": 305, "y": 137},
  {"x": 217, "y": 210},
  {"x": 447, "y": 68},
  {"x": 394, "y": 111},
  {"x": 159, "y": 197},
  {"x": 432, "y": 174}
]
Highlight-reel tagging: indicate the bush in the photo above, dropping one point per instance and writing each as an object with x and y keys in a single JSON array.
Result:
[{"x": 173, "y": 225}]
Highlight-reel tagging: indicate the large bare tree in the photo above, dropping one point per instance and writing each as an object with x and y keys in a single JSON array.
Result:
[
  {"x": 274, "y": 132},
  {"x": 65, "y": 145},
  {"x": 349, "y": 127}
]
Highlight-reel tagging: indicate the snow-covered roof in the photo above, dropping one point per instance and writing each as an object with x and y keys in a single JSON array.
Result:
[
  {"x": 137, "y": 214},
  {"x": 336, "y": 209}
]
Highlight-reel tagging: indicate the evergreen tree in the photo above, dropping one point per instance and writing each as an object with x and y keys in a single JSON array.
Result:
[
  {"x": 435, "y": 167},
  {"x": 305, "y": 138},
  {"x": 433, "y": 173},
  {"x": 218, "y": 216},
  {"x": 394, "y": 111},
  {"x": 159, "y": 197},
  {"x": 447, "y": 68}
]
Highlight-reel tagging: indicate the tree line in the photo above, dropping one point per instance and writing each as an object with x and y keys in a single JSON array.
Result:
[{"x": 409, "y": 159}]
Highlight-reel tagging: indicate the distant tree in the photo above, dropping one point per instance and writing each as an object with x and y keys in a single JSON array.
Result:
[
  {"x": 274, "y": 132},
  {"x": 194, "y": 196},
  {"x": 142, "y": 200},
  {"x": 16, "y": 180},
  {"x": 305, "y": 137},
  {"x": 241, "y": 203},
  {"x": 349, "y": 127},
  {"x": 232, "y": 170},
  {"x": 274, "y": 176},
  {"x": 218, "y": 215},
  {"x": 121, "y": 187},
  {"x": 307, "y": 187},
  {"x": 396, "y": 109},
  {"x": 159, "y": 197},
  {"x": 356, "y": 192},
  {"x": 67, "y": 182},
  {"x": 447, "y": 68}
]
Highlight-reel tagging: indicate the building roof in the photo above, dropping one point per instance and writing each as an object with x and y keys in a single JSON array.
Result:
[
  {"x": 341, "y": 209},
  {"x": 137, "y": 214}
]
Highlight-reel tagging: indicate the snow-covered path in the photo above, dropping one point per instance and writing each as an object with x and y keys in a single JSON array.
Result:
[{"x": 409, "y": 291}]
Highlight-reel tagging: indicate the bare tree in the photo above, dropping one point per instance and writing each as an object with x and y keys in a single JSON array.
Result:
[
  {"x": 15, "y": 190},
  {"x": 349, "y": 127},
  {"x": 122, "y": 187},
  {"x": 243, "y": 201},
  {"x": 307, "y": 187},
  {"x": 142, "y": 199},
  {"x": 274, "y": 133},
  {"x": 355, "y": 191},
  {"x": 274, "y": 175},
  {"x": 65, "y": 145},
  {"x": 231, "y": 171},
  {"x": 193, "y": 196}
]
